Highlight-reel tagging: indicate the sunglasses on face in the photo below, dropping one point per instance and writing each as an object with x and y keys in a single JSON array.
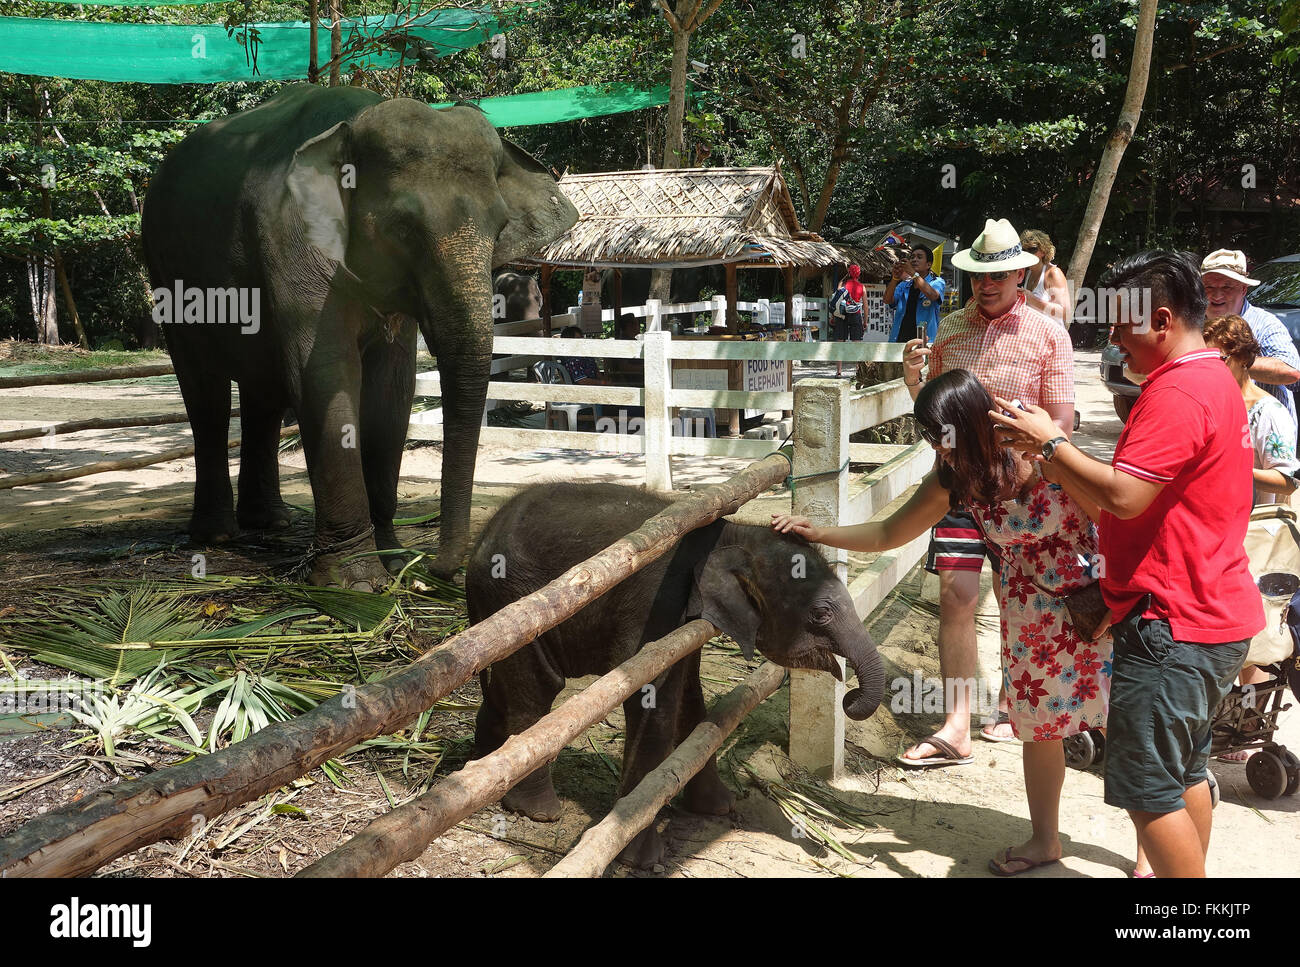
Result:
[
  {"x": 1032, "y": 250},
  {"x": 993, "y": 276}
]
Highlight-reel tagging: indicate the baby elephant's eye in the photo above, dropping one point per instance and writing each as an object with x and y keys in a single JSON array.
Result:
[{"x": 822, "y": 615}]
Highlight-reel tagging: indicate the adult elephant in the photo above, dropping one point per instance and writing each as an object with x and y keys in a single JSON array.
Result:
[
  {"x": 768, "y": 591},
  {"x": 337, "y": 220}
]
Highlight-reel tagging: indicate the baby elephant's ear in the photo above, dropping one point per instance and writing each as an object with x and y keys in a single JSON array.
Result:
[{"x": 726, "y": 593}]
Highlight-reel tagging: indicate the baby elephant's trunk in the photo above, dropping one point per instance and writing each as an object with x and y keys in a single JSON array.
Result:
[{"x": 861, "y": 654}]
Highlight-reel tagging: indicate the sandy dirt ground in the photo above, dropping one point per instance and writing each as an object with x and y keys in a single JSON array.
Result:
[{"x": 935, "y": 823}]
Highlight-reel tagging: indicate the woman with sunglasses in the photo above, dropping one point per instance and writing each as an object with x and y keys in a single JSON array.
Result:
[{"x": 1059, "y": 683}]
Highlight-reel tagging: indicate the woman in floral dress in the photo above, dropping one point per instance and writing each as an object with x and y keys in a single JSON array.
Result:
[{"x": 1046, "y": 542}]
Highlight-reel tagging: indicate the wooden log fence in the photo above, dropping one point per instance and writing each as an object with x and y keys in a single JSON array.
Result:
[
  {"x": 111, "y": 423},
  {"x": 638, "y": 809},
  {"x": 103, "y": 466},
  {"x": 403, "y": 833},
  {"x": 78, "y": 838},
  {"x": 87, "y": 376}
]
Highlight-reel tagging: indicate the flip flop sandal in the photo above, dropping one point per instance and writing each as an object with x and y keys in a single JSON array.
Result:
[
  {"x": 998, "y": 866},
  {"x": 1004, "y": 718},
  {"x": 948, "y": 756}
]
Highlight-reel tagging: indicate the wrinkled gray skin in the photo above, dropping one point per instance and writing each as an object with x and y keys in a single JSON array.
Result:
[
  {"x": 419, "y": 205},
  {"x": 737, "y": 576},
  {"x": 523, "y": 296}
]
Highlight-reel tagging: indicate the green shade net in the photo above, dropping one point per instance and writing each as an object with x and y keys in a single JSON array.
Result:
[
  {"x": 547, "y": 107},
  {"x": 200, "y": 54}
]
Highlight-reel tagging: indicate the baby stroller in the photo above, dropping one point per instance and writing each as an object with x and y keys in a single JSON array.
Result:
[{"x": 1247, "y": 717}]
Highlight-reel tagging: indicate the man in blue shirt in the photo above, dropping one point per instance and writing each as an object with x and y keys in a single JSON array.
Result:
[
  {"x": 1223, "y": 274},
  {"x": 916, "y": 294}
]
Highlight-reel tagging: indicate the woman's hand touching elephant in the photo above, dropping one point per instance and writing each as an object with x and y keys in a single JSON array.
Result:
[{"x": 788, "y": 523}]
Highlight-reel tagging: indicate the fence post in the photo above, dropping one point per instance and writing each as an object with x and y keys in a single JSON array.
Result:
[
  {"x": 658, "y": 430},
  {"x": 653, "y": 315},
  {"x": 821, "y": 446},
  {"x": 797, "y": 311},
  {"x": 719, "y": 310}
]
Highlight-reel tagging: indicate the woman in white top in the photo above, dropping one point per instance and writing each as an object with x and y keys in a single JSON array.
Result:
[
  {"x": 1272, "y": 430},
  {"x": 1045, "y": 286}
]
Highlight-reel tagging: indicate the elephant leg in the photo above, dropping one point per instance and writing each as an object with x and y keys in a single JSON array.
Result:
[
  {"x": 516, "y": 693},
  {"x": 329, "y": 416},
  {"x": 207, "y": 403},
  {"x": 259, "y": 506},
  {"x": 387, "y": 388},
  {"x": 705, "y": 793},
  {"x": 649, "y": 738}
]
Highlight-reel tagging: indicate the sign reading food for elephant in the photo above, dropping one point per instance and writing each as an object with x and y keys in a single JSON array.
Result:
[
  {"x": 765, "y": 376},
  {"x": 879, "y": 317}
]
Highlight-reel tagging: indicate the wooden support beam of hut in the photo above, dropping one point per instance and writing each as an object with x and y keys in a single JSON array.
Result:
[
  {"x": 404, "y": 833},
  {"x": 733, "y": 320},
  {"x": 638, "y": 809},
  {"x": 618, "y": 303},
  {"x": 78, "y": 838},
  {"x": 547, "y": 272}
]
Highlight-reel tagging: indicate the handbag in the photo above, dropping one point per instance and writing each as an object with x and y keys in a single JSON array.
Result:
[{"x": 1088, "y": 610}]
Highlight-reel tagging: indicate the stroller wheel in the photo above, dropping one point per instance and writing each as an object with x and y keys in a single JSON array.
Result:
[
  {"x": 1082, "y": 749},
  {"x": 1214, "y": 788},
  {"x": 1291, "y": 763},
  {"x": 1266, "y": 774}
]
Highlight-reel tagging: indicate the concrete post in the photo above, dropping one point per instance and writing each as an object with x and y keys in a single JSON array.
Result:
[
  {"x": 821, "y": 445},
  {"x": 719, "y": 310},
  {"x": 653, "y": 315},
  {"x": 658, "y": 429}
]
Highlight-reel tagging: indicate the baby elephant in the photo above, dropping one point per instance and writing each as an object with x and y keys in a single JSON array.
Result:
[{"x": 766, "y": 590}]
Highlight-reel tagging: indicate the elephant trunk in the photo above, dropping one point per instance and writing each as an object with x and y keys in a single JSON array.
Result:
[
  {"x": 463, "y": 372},
  {"x": 864, "y": 659}
]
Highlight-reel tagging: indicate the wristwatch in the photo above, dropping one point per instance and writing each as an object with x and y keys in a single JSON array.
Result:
[{"x": 1049, "y": 448}]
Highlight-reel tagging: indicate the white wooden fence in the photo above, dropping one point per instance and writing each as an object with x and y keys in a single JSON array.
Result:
[{"x": 827, "y": 412}]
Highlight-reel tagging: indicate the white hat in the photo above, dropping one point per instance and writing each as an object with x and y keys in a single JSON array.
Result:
[
  {"x": 1229, "y": 262},
  {"x": 995, "y": 250}
]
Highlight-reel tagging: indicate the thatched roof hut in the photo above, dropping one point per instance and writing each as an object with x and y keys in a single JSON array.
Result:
[
  {"x": 681, "y": 217},
  {"x": 684, "y": 216}
]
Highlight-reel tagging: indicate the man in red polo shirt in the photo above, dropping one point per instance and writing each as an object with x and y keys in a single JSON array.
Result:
[{"x": 1174, "y": 505}]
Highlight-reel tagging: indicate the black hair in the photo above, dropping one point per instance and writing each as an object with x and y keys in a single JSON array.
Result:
[
  {"x": 929, "y": 256},
  {"x": 1173, "y": 278},
  {"x": 570, "y": 332},
  {"x": 953, "y": 409}
]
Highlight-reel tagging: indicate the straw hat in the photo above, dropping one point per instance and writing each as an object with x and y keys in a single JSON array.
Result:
[
  {"x": 997, "y": 249},
  {"x": 1229, "y": 262}
]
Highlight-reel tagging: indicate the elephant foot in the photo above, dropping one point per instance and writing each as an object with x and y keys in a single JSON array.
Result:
[
  {"x": 645, "y": 851},
  {"x": 538, "y": 804},
  {"x": 213, "y": 528},
  {"x": 709, "y": 799},
  {"x": 342, "y": 569},
  {"x": 269, "y": 517},
  {"x": 445, "y": 567}
]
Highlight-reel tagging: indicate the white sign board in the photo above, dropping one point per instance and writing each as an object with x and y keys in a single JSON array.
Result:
[
  {"x": 776, "y": 314},
  {"x": 764, "y": 376},
  {"x": 879, "y": 315},
  {"x": 712, "y": 379}
]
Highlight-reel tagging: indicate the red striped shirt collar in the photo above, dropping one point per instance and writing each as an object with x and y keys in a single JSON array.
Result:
[{"x": 1194, "y": 355}]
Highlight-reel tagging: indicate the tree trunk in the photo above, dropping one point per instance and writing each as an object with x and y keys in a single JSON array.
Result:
[
  {"x": 88, "y": 375},
  {"x": 1108, "y": 167},
  {"x": 78, "y": 838},
  {"x": 40, "y": 281},
  {"x": 313, "y": 60},
  {"x": 336, "y": 40},
  {"x": 67, "y": 297}
]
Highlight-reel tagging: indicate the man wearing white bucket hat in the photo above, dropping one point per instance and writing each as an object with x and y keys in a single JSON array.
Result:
[
  {"x": 1223, "y": 273},
  {"x": 1018, "y": 353}
]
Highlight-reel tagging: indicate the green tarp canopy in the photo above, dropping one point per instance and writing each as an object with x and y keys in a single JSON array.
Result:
[
  {"x": 569, "y": 104},
  {"x": 201, "y": 54}
]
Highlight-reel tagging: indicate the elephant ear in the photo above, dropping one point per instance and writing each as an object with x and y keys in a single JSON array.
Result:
[
  {"x": 316, "y": 185},
  {"x": 537, "y": 210},
  {"x": 726, "y": 594}
]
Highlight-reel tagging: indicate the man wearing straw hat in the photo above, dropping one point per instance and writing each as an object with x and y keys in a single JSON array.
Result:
[
  {"x": 1018, "y": 353},
  {"x": 1223, "y": 273}
]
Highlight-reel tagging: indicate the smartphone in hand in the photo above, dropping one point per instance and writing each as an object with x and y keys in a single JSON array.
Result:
[{"x": 920, "y": 333}]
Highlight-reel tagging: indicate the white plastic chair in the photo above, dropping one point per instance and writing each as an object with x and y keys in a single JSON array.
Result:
[{"x": 548, "y": 371}]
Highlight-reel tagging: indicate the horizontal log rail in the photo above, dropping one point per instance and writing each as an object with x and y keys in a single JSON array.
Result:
[
  {"x": 87, "y": 376},
  {"x": 109, "y": 423},
  {"x": 78, "y": 838},
  {"x": 405, "y": 832}
]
